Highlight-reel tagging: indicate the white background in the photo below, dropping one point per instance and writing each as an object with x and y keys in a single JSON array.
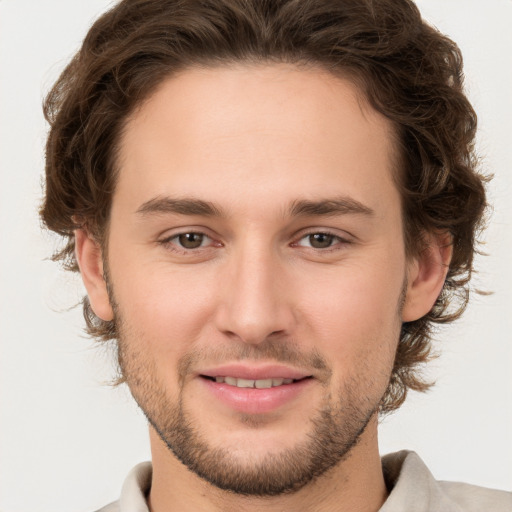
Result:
[{"x": 67, "y": 440}]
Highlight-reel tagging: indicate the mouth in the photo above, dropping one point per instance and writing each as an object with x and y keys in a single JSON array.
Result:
[
  {"x": 254, "y": 383},
  {"x": 255, "y": 389}
]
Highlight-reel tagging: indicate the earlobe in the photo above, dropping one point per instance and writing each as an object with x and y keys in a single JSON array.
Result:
[
  {"x": 89, "y": 258},
  {"x": 426, "y": 276}
]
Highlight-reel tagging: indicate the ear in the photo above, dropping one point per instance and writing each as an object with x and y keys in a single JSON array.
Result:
[
  {"x": 89, "y": 258},
  {"x": 426, "y": 276}
]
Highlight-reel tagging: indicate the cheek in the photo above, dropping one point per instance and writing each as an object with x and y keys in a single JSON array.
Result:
[
  {"x": 169, "y": 308},
  {"x": 163, "y": 317},
  {"x": 355, "y": 312}
]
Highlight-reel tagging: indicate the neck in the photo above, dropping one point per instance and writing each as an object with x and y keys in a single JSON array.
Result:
[{"x": 355, "y": 484}]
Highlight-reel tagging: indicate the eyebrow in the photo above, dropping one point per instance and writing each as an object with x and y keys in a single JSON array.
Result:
[
  {"x": 298, "y": 208},
  {"x": 184, "y": 206},
  {"x": 326, "y": 207}
]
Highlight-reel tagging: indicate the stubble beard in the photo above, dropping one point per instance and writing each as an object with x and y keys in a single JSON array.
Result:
[{"x": 335, "y": 429}]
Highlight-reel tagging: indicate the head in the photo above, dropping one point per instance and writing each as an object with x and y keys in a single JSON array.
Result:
[{"x": 401, "y": 87}]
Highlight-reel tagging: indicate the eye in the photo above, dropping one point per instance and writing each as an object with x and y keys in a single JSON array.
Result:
[
  {"x": 191, "y": 240},
  {"x": 188, "y": 241},
  {"x": 320, "y": 240}
]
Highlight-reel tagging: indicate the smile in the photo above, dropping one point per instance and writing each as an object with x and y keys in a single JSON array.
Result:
[
  {"x": 250, "y": 383},
  {"x": 255, "y": 396}
]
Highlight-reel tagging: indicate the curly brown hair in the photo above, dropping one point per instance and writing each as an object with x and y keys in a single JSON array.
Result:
[{"x": 408, "y": 71}]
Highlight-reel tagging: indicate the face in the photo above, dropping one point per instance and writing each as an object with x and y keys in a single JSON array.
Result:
[{"x": 257, "y": 268}]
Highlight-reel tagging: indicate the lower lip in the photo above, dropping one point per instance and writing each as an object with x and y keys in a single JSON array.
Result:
[{"x": 253, "y": 400}]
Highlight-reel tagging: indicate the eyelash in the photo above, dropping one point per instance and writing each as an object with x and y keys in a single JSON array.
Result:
[
  {"x": 338, "y": 242},
  {"x": 168, "y": 242}
]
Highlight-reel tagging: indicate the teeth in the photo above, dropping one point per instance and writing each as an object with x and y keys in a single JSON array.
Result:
[
  {"x": 245, "y": 383},
  {"x": 249, "y": 383},
  {"x": 263, "y": 383}
]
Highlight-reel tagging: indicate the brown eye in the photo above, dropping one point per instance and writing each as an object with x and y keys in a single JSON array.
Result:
[
  {"x": 321, "y": 240},
  {"x": 191, "y": 240}
]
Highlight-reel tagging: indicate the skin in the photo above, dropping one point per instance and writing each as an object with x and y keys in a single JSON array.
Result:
[{"x": 253, "y": 141}]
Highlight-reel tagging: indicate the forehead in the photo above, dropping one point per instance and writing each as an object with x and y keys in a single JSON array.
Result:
[{"x": 239, "y": 134}]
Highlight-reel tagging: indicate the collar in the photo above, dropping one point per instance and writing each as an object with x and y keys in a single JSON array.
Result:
[{"x": 411, "y": 485}]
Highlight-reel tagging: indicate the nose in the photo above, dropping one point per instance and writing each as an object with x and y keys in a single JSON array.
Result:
[{"x": 255, "y": 299}]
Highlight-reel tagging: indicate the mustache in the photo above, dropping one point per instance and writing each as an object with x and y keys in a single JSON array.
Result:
[{"x": 278, "y": 351}]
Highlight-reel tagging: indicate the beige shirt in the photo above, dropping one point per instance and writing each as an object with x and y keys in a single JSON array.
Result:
[{"x": 412, "y": 489}]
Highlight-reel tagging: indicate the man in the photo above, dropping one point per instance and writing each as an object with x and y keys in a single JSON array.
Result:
[{"x": 269, "y": 203}]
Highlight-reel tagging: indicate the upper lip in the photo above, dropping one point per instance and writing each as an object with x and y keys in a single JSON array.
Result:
[{"x": 255, "y": 372}]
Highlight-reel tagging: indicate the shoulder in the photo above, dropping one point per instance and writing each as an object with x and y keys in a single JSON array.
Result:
[
  {"x": 112, "y": 507},
  {"x": 134, "y": 491},
  {"x": 472, "y": 498},
  {"x": 413, "y": 488}
]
